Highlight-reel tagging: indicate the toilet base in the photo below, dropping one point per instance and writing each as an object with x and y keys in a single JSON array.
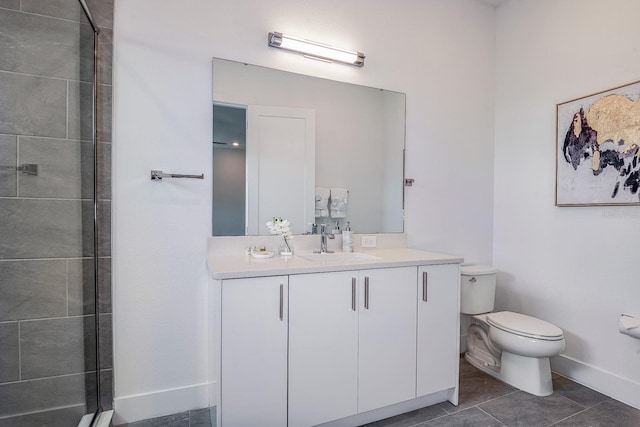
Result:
[{"x": 529, "y": 374}]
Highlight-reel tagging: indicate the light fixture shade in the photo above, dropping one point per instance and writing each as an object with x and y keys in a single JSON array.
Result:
[{"x": 315, "y": 50}]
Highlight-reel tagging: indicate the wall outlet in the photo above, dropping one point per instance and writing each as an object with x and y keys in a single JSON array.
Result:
[{"x": 369, "y": 241}]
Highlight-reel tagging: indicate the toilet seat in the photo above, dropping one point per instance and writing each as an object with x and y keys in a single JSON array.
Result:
[{"x": 523, "y": 325}]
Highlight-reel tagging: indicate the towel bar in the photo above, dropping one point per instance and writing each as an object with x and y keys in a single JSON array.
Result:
[{"x": 156, "y": 174}]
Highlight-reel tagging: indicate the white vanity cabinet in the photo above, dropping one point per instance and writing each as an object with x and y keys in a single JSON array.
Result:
[
  {"x": 298, "y": 343},
  {"x": 323, "y": 347},
  {"x": 438, "y": 328},
  {"x": 352, "y": 342},
  {"x": 387, "y": 337},
  {"x": 253, "y": 352}
]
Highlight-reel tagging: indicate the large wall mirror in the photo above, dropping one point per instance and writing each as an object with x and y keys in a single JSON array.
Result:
[{"x": 279, "y": 138}]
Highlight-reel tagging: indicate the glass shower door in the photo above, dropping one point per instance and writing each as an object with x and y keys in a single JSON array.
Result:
[{"x": 48, "y": 334}]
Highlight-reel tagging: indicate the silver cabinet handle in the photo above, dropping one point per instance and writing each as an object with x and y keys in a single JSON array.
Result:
[
  {"x": 425, "y": 281},
  {"x": 366, "y": 293},
  {"x": 353, "y": 293},
  {"x": 281, "y": 301}
]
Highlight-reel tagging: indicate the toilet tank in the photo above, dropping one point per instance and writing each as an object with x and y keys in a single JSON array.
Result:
[{"x": 477, "y": 289}]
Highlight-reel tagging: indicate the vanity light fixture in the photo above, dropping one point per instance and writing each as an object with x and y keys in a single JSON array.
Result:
[{"x": 315, "y": 50}]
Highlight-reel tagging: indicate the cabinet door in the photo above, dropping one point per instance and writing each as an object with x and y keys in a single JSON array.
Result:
[
  {"x": 387, "y": 326},
  {"x": 253, "y": 375},
  {"x": 323, "y": 347},
  {"x": 438, "y": 328}
]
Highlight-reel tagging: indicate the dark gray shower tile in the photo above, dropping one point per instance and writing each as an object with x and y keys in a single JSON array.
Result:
[
  {"x": 605, "y": 414},
  {"x": 31, "y": 289},
  {"x": 200, "y": 418},
  {"x": 46, "y": 46},
  {"x": 468, "y": 417},
  {"x": 8, "y": 157},
  {"x": 524, "y": 409},
  {"x": 80, "y": 111},
  {"x": 32, "y": 105},
  {"x": 104, "y": 112},
  {"x": 105, "y": 57},
  {"x": 80, "y": 286},
  {"x": 104, "y": 170},
  {"x": 57, "y": 346},
  {"x": 576, "y": 392},
  {"x": 37, "y": 395},
  {"x": 106, "y": 342},
  {"x": 102, "y": 11},
  {"x": 55, "y": 8},
  {"x": 64, "y": 417},
  {"x": 65, "y": 168},
  {"x": 411, "y": 418},
  {"x": 10, "y": 4},
  {"x": 33, "y": 228},
  {"x": 106, "y": 389},
  {"x": 10, "y": 353},
  {"x": 104, "y": 228}
]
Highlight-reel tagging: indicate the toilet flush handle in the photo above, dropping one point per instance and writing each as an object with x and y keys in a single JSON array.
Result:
[{"x": 473, "y": 280}]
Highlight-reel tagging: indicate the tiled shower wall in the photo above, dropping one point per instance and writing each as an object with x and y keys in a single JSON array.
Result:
[{"x": 47, "y": 333}]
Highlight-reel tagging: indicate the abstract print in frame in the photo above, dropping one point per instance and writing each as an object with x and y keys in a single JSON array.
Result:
[{"x": 597, "y": 148}]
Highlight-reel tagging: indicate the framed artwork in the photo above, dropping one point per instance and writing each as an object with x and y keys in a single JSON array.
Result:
[{"x": 597, "y": 148}]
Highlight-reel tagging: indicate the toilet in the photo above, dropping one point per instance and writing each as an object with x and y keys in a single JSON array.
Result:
[{"x": 513, "y": 347}]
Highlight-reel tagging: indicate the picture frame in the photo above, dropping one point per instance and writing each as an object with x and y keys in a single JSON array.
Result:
[{"x": 598, "y": 148}]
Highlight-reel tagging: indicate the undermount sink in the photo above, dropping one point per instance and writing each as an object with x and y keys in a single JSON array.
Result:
[{"x": 338, "y": 257}]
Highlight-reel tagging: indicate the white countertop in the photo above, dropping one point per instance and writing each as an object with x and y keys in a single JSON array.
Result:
[{"x": 238, "y": 266}]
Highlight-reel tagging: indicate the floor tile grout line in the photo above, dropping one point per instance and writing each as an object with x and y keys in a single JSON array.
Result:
[
  {"x": 491, "y": 416},
  {"x": 570, "y": 416}
]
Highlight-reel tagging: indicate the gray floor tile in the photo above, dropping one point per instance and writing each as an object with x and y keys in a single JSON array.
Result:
[
  {"x": 576, "y": 392},
  {"x": 466, "y": 367},
  {"x": 475, "y": 388},
  {"x": 472, "y": 417},
  {"x": 175, "y": 420},
  {"x": 200, "y": 418},
  {"x": 411, "y": 418},
  {"x": 609, "y": 413},
  {"x": 524, "y": 409},
  {"x": 10, "y": 4}
]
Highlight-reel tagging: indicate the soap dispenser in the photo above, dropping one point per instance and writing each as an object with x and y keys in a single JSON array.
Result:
[{"x": 347, "y": 238}]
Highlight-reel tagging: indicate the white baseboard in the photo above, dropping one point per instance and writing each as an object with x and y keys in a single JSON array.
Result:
[
  {"x": 595, "y": 378},
  {"x": 138, "y": 407}
]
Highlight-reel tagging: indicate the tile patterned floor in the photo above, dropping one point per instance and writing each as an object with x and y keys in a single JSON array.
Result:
[{"x": 487, "y": 402}]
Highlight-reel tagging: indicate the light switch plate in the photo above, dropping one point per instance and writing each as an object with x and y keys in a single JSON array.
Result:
[{"x": 369, "y": 241}]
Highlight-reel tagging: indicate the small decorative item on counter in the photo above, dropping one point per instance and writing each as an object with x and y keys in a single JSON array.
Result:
[
  {"x": 280, "y": 227},
  {"x": 347, "y": 238}
]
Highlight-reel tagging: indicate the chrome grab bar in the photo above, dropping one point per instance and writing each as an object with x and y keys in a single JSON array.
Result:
[
  {"x": 156, "y": 174},
  {"x": 26, "y": 168}
]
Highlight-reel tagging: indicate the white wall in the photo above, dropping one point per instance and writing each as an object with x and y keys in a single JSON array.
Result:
[
  {"x": 439, "y": 52},
  {"x": 576, "y": 267}
]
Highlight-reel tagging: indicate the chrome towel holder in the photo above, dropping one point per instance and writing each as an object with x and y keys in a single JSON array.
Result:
[{"x": 158, "y": 175}]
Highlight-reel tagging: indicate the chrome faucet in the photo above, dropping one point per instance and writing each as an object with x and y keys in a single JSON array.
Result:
[{"x": 323, "y": 239}]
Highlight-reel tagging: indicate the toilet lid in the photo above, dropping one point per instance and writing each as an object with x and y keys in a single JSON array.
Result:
[
  {"x": 477, "y": 270},
  {"x": 524, "y": 325}
]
